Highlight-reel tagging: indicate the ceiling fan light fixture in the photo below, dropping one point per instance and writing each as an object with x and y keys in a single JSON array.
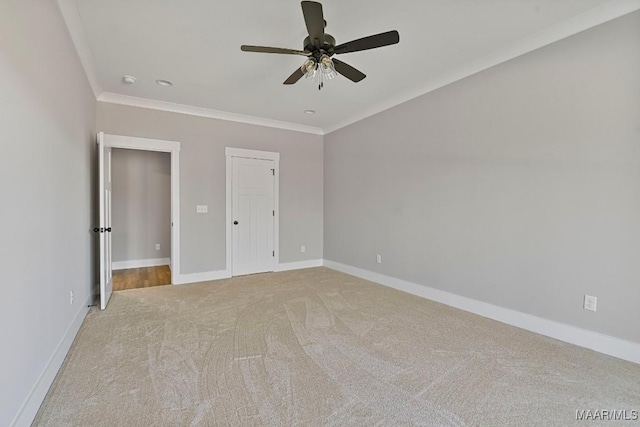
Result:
[
  {"x": 308, "y": 67},
  {"x": 327, "y": 67},
  {"x": 319, "y": 70}
]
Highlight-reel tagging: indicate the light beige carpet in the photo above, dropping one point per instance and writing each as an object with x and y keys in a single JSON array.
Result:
[{"x": 318, "y": 347}]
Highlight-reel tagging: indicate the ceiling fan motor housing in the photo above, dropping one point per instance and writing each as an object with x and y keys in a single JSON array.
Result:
[{"x": 326, "y": 48}]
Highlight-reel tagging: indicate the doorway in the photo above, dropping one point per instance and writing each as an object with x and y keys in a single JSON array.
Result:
[
  {"x": 252, "y": 211},
  {"x": 106, "y": 144},
  {"x": 140, "y": 218}
]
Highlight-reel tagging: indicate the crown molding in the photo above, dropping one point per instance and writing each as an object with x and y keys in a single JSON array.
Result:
[
  {"x": 71, "y": 16},
  {"x": 133, "y": 101},
  {"x": 591, "y": 18}
]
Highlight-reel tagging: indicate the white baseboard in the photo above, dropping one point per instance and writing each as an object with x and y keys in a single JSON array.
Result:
[
  {"x": 602, "y": 343},
  {"x": 205, "y": 276},
  {"x": 31, "y": 405},
  {"x": 299, "y": 265},
  {"x": 140, "y": 263}
]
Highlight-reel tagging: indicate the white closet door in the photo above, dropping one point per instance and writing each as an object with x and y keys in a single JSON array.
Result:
[{"x": 253, "y": 215}]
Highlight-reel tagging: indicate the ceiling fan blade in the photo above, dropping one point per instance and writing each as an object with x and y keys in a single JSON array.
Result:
[
  {"x": 371, "y": 42},
  {"x": 265, "y": 49},
  {"x": 348, "y": 71},
  {"x": 293, "y": 78},
  {"x": 314, "y": 19}
]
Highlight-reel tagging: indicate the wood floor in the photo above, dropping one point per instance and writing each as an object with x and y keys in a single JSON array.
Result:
[{"x": 145, "y": 277}]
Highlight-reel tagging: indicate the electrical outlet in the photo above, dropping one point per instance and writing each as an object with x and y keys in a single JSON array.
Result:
[
  {"x": 379, "y": 259},
  {"x": 303, "y": 249},
  {"x": 70, "y": 297},
  {"x": 202, "y": 208},
  {"x": 157, "y": 246},
  {"x": 590, "y": 302}
]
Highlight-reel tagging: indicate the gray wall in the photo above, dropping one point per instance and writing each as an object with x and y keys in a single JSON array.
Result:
[
  {"x": 202, "y": 179},
  {"x": 47, "y": 134},
  {"x": 518, "y": 186},
  {"x": 141, "y": 204}
]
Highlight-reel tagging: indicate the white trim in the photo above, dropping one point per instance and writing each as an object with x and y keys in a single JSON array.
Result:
[
  {"x": 133, "y": 101},
  {"x": 229, "y": 214},
  {"x": 606, "y": 344},
  {"x": 34, "y": 399},
  {"x": 251, "y": 154},
  {"x": 591, "y": 18},
  {"x": 297, "y": 265},
  {"x": 71, "y": 16},
  {"x": 173, "y": 147},
  {"x": 140, "y": 263},
  {"x": 226, "y": 274},
  {"x": 206, "y": 276},
  {"x": 230, "y": 153},
  {"x": 146, "y": 144},
  {"x": 175, "y": 213},
  {"x": 276, "y": 207}
]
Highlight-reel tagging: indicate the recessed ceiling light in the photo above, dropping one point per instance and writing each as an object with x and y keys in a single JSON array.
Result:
[
  {"x": 128, "y": 80},
  {"x": 164, "y": 82},
  {"x": 309, "y": 111}
]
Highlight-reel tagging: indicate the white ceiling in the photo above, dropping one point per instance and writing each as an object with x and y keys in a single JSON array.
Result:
[{"x": 196, "y": 45}]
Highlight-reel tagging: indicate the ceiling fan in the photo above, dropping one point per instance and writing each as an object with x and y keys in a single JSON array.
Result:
[{"x": 319, "y": 47}]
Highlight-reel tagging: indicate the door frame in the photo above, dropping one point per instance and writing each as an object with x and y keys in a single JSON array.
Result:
[
  {"x": 230, "y": 153},
  {"x": 173, "y": 147}
]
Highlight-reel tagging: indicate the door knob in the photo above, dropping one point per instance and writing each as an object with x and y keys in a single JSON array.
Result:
[
  {"x": 235, "y": 222},
  {"x": 108, "y": 230}
]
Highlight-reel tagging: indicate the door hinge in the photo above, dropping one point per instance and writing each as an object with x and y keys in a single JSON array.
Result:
[
  {"x": 274, "y": 213},
  {"x": 273, "y": 172},
  {"x": 273, "y": 253}
]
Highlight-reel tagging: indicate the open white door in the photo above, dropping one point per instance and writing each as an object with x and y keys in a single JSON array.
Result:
[
  {"x": 104, "y": 167},
  {"x": 253, "y": 213}
]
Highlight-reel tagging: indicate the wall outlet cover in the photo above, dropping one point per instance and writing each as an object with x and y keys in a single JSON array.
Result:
[{"x": 590, "y": 302}]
